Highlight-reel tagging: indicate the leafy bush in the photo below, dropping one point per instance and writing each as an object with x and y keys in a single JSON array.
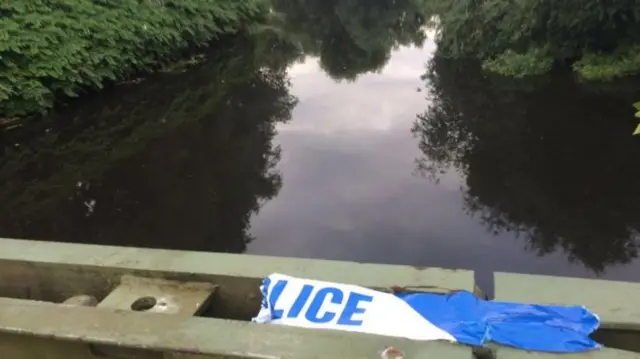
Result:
[
  {"x": 533, "y": 62},
  {"x": 637, "y": 107},
  {"x": 54, "y": 48},
  {"x": 607, "y": 66},
  {"x": 603, "y": 36}
]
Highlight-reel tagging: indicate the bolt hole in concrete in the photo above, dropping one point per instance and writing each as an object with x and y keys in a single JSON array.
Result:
[{"x": 143, "y": 304}]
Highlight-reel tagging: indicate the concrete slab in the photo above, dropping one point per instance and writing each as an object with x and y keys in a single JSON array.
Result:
[
  {"x": 606, "y": 353},
  {"x": 159, "y": 296},
  {"x": 56, "y": 271},
  {"x": 236, "y": 265},
  {"x": 616, "y": 303},
  {"x": 64, "y": 332}
]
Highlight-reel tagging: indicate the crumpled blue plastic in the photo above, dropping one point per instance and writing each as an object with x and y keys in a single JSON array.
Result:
[{"x": 474, "y": 321}]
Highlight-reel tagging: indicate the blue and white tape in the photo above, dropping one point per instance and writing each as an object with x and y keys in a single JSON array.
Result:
[{"x": 457, "y": 317}]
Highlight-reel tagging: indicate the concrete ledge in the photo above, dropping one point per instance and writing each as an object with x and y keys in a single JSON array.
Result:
[
  {"x": 235, "y": 265},
  {"x": 44, "y": 271},
  {"x": 616, "y": 303},
  {"x": 606, "y": 353},
  {"x": 55, "y": 271},
  {"x": 70, "y": 333}
]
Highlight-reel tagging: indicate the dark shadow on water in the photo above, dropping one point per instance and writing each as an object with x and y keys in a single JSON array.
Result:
[
  {"x": 552, "y": 161},
  {"x": 178, "y": 161}
]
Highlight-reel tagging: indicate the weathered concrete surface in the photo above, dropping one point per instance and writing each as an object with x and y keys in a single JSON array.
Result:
[
  {"x": 615, "y": 302},
  {"x": 169, "y": 297},
  {"x": 607, "y": 353},
  {"x": 57, "y": 271},
  {"x": 82, "y": 300},
  {"x": 62, "y": 332}
]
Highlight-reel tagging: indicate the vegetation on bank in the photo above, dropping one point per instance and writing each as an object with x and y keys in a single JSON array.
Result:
[
  {"x": 599, "y": 39},
  {"x": 202, "y": 136},
  {"x": 55, "y": 49},
  {"x": 637, "y": 107}
]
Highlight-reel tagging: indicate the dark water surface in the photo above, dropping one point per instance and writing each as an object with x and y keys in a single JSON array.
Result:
[{"x": 346, "y": 141}]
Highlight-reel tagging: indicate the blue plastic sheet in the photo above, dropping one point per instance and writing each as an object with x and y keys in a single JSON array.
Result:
[
  {"x": 526, "y": 326},
  {"x": 457, "y": 317}
]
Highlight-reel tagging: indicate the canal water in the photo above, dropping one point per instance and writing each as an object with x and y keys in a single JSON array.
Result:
[{"x": 338, "y": 134}]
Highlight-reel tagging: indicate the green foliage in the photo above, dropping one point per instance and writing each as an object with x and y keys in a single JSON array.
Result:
[
  {"x": 608, "y": 66},
  {"x": 510, "y": 63},
  {"x": 52, "y": 49},
  {"x": 637, "y": 107},
  {"x": 603, "y": 36}
]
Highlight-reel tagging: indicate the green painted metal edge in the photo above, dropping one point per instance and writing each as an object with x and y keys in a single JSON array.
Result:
[
  {"x": 235, "y": 265},
  {"x": 616, "y": 303},
  {"x": 202, "y": 336}
]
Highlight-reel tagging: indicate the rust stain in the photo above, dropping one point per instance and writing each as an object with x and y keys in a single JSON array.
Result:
[{"x": 391, "y": 353}]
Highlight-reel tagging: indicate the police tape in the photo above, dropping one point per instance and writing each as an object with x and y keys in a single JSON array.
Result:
[{"x": 457, "y": 317}]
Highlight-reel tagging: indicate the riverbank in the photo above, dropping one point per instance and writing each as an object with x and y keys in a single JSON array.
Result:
[
  {"x": 54, "y": 52},
  {"x": 532, "y": 37}
]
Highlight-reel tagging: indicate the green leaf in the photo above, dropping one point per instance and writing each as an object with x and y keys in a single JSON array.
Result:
[
  {"x": 638, "y": 114},
  {"x": 637, "y": 131},
  {"x": 637, "y": 106},
  {"x": 42, "y": 48}
]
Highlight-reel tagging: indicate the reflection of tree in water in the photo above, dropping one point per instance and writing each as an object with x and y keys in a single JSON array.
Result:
[
  {"x": 552, "y": 162},
  {"x": 179, "y": 161},
  {"x": 352, "y": 36}
]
